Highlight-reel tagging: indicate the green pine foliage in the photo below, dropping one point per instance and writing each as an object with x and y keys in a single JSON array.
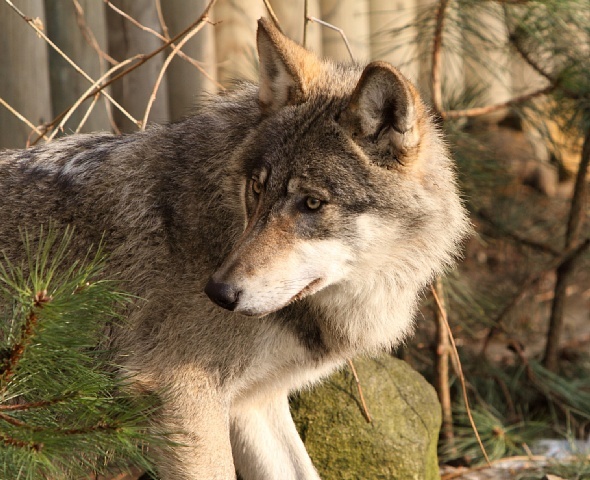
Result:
[{"x": 64, "y": 412}]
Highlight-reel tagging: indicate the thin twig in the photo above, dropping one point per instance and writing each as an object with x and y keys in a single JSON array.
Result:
[
  {"x": 513, "y": 39},
  {"x": 501, "y": 230},
  {"x": 164, "y": 38},
  {"x": 477, "y": 111},
  {"x": 85, "y": 95},
  {"x": 142, "y": 59},
  {"x": 33, "y": 405},
  {"x": 88, "y": 112},
  {"x": 366, "y": 413},
  {"x": 272, "y": 15},
  {"x": 66, "y": 58},
  {"x": 13, "y": 442},
  {"x": 436, "y": 56},
  {"x": 172, "y": 54},
  {"x": 103, "y": 57},
  {"x": 89, "y": 35},
  {"x": 22, "y": 119},
  {"x": 460, "y": 373},
  {"x": 339, "y": 30},
  {"x": 443, "y": 351},
  {"x": 161, "y": 19},
  {"x": 18, "y": 349},
  {"x": 568, "y": 256}
]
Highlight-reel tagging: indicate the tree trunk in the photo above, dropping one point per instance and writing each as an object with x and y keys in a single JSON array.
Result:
[
  {"x": 235, "y": 39},
  {"x": 185, "y": 81},
  {"x": 565, "y": 271},
  {"x": 67, "y": 85},
  {"x": 125, "y": 40},
  {"x": 24, "y": 76}
]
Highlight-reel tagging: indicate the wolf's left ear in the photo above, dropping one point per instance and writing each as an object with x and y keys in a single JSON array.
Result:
[
  {"x": 287, "y": 70},
  {"x": 384, "y": 109}
]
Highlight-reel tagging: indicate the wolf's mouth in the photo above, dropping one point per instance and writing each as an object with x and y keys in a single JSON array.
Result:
[
  {"x": 310, "y": 288},
  {"x": 307, "y": 290}
]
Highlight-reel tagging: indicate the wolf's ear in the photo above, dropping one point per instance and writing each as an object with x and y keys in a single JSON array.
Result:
[
  {"x": 384, "y": 109},
  {"x": 287, "y": 70}
]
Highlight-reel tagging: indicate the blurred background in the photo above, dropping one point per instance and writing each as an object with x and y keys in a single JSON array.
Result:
[{"x": 509, "y": 83}]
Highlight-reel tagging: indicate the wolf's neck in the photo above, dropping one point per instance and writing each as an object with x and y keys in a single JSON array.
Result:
[{"x": 369, "y": 315}]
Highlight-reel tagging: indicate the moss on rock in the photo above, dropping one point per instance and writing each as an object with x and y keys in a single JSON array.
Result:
[{"x": 400, "y": 442}]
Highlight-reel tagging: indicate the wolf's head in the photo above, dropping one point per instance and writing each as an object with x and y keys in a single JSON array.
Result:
[{"x": 346, "y": 186}]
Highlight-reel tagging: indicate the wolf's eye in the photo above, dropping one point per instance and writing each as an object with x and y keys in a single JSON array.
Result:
[
  {"x": 313, "y": 203},
  {"x": 256, "y": 186}
]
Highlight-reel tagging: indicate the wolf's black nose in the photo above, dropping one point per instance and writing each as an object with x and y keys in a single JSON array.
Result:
[{"x": 222, "y": 294}]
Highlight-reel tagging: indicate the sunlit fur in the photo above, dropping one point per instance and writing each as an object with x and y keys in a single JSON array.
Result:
[{"x": 176, "y": 211}]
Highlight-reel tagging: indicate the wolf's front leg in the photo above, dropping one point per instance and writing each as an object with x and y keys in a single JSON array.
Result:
[
  {"x": 265, "y": 443},
  {"x": 196, "y": 419}
]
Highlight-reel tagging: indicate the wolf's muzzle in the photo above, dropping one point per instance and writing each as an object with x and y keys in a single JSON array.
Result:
[{"x": 222, "y": 294}]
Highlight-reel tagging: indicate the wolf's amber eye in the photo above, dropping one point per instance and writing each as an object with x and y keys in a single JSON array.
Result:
[
  {"x": 313, "y": 203},
  {"x": 256, "y": 186}
]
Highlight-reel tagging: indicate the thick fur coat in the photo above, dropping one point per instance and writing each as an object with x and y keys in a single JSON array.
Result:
[{"x": 282, "y": 229}]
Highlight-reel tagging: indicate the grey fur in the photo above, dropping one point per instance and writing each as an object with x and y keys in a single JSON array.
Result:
[{"x": 178, "y": 206}]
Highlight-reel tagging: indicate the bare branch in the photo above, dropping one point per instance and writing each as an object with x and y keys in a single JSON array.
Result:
[
  {"x": 443, "y": 316},
  {"x": 68, "y": 59},
  {"x": 305, "y": 21},
  {"x": 89, "y": 35},
  {"x": 443, "y": 351},
  {"x": 22, "y": 119},
  {"x": 161, "y": 19},
  {"x": 165, "y": 38},
  {"x": 88, "y": 112},
  {"x": 175, "y": 50},
  {"x": 568, "y": 256},
  {"x": 565, "y": 270},
  {"x": 142, "y": 59},
  {"x": 339, "y": 30},
  {"x": 68, "y": 113},
  {"x": 475, "y": 112},
  {"x": 366, "y": 413},
  {"x": 272, "y": 15}
]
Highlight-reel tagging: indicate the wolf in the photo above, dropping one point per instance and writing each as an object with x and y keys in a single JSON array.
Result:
[{"x": 280, "y": 230}]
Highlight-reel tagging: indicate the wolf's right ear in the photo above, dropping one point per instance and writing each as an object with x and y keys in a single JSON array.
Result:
[
  {"x": 385, "y": 109},
  {"x": 287, "y": 70}
]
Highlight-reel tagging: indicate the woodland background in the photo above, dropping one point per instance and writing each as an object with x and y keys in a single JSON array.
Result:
[{"x": 508, "y": 81}]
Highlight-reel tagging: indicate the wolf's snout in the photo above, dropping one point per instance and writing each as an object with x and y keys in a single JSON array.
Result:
[{"x": 222, "y": 294}]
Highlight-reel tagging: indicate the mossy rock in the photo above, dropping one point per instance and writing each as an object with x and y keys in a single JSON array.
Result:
[{"x": 399, "y": 443}]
